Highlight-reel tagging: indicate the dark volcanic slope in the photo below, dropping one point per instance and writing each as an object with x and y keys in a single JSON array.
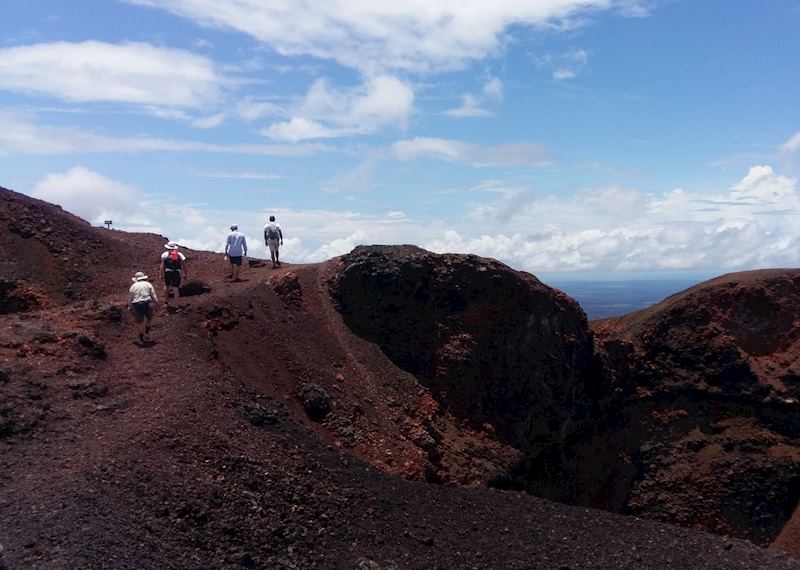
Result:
[
  {"x": 497, "y": 348},
  {"x": 198, "y": 451},
  {"x": 710, "y": 420}
]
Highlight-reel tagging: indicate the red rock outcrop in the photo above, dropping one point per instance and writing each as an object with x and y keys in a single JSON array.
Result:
[
  {"x": 497, "y": 348},
  {"x": 708, "y": 412}
]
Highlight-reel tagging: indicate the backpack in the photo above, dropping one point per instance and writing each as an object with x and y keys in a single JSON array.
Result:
[
  {"x": 272, "y": 231},
  {"x": 173, "y": 260}
]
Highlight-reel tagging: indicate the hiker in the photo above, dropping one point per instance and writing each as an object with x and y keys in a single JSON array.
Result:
[
  {"x": 235, "y": 250},
  {"x": 141, "y": 300},
  {"x": 273, "y": 238},
  {"x": 172, "y": 269}
]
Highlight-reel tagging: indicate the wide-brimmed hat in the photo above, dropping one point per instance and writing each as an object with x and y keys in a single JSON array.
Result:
[
  {"x": 139, "y": 276},
  {"x": 171, "y": 245}
]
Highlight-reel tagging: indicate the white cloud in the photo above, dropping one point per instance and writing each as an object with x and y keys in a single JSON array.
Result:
[
  {"x": 762, "y": 185},
  {"x": 413, "y": 35},
  {"x": 477, "y": 155},
  {"x": 238, "y": 175},
  {"x": 251, "y": 110},
  {"x": 339, "y": 246},
  {"x": 564, "y": 65},
  {"x": 210, "y": 121},
  {"x": 326, "y": 112},
  {"x": 493, "y": 89},
  {"x": 299, "y": 129},
  {"x": 23, "y": 136},
  {"x": 90, "y": 195},
  {"x": 754, "y": 224},
  {"x": 95, "y": 71},
  {"x": 472, "y": 105},
  {"x": 792, "y": 144}
]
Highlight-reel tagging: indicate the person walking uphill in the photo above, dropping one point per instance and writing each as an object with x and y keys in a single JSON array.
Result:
[
  {"x": 141, "y": 300},
  {"x": 235, "y": 250},
  {"x": 273, "y": 238},
  {"x": 172, "y": 269}
]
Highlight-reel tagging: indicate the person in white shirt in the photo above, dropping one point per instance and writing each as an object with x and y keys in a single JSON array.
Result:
[
  {"x": 273, "y": 238},
  {"x": 172, "y": 269},
  {"x": 235, "y": 250},
  {"x": 141, "y": 300}
]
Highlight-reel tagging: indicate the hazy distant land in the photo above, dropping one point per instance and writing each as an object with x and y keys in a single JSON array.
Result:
[{"x": 601, "y": 299}]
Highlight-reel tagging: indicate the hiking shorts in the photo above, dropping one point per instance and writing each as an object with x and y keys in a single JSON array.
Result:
[
  {"x": 235, "y": 260},
  {"x": 172, "y": 278},
  {"x": 142, "y": 310},
  {"x": 273, "y": 244}
]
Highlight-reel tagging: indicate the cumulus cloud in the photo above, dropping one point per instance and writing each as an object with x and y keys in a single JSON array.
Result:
[
  {"x": 326, "y": 112},
  {"x": 611, "y": 229},
  {"x": 475, "y": 154},
  {"x": 94, "y": 71},
  {"x": 616, "y": 229},
  {"x": 414, "y": 35},
  {"x": 90, "y": 195}
]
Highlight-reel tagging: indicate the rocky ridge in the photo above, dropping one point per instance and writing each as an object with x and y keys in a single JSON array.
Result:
[{"x": 259, "y": 430}]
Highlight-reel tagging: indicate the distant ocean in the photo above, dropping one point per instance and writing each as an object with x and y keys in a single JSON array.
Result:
[{"x": 601, "y": 299}]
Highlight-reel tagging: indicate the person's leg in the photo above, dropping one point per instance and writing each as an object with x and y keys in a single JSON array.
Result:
[
  {"x": 176, "y": 280},
  {"x": 140, "y": 325},
  {"x": 272, "y": 253},
  {"x": 148, "y": 319}
]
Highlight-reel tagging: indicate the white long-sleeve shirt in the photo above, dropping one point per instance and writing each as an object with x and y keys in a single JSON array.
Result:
[{"x": 236, "y": 246}]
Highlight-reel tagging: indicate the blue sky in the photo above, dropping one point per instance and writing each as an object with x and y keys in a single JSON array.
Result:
[{"x": 564, "y": 137}]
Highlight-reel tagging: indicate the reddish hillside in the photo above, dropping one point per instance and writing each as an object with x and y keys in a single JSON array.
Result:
[
  {"x": 258, "y": 430},
  {"x": 710, "y": 416}
]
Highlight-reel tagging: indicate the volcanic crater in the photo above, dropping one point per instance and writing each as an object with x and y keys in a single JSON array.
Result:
[{"x": 390, "y": 408}]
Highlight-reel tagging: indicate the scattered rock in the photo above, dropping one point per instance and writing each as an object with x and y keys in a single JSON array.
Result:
[
  {"x": 91, "y": 347},
  {"x": 288, "y": 289},
  {"x": 192, "y": 288},
  {"x": 260, "y": 417},
  {"x": 87, "y": 389},
  {"x": 316, "y": 401}
]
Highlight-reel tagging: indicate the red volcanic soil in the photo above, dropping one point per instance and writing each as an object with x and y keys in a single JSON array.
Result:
[
  {"x": 257, "y": 430},
  {"x": 711, "y": 378}
]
